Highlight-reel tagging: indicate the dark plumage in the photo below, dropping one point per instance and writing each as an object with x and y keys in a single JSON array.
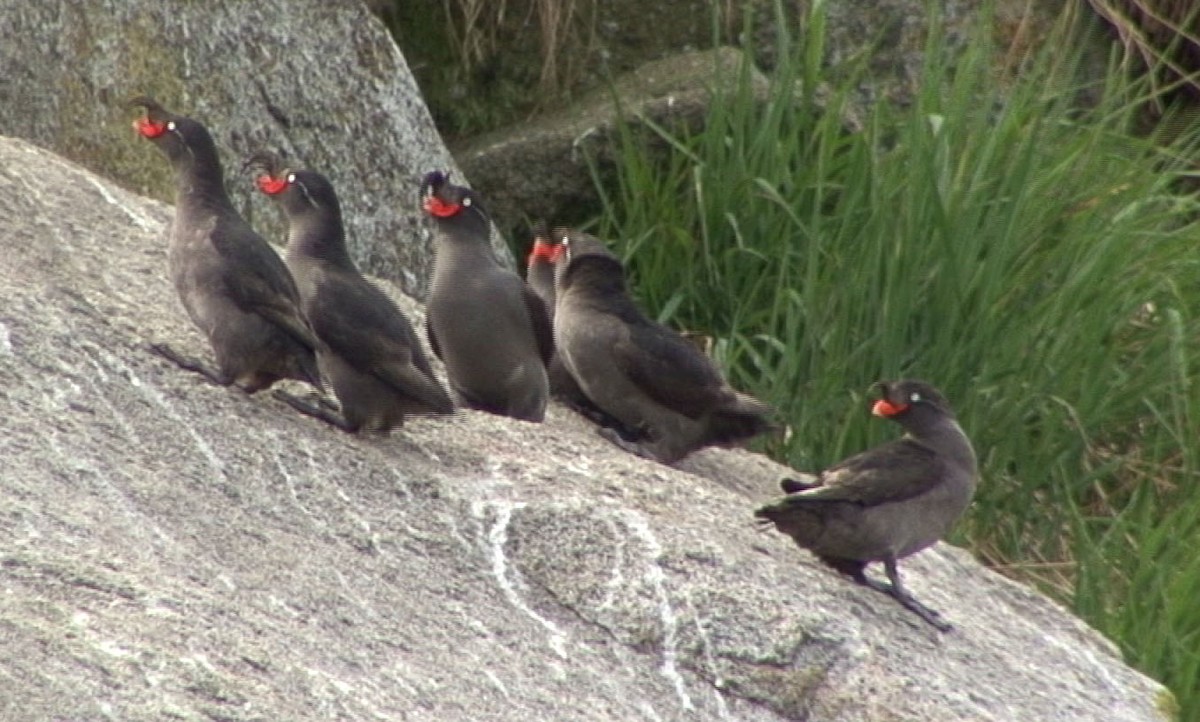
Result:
[
  {"x": 889, "y": 502},
  {"x": 640, "y": 372},
  {"x": 367, "y": 348},
  {"x": 488, "y": 327},
  {"x": 539, "y": 276},
  {"x": 539, "y": 269},
  {"x": 234, "y": 287}
]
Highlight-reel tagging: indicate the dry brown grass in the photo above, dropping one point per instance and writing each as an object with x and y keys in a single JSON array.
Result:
[
  {"x": 1162, "y": 37},
  {"x": 565, "y": 33}
]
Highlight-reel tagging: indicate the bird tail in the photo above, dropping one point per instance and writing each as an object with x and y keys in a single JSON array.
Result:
[
  {"x": 744, "y": 418},
  {"x": 794, "y": 516},
  {"x": 792, "y": 486}
]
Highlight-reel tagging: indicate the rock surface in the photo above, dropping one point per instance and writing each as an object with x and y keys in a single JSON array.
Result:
[
  {"x": 321, "y": 82},
  {"x": 541, "y": 169},
  {"x": 173, "y": 550}
]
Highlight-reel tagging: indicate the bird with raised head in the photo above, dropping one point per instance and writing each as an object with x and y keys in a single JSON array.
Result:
[
  {"x": 488, "y": 327},
  {"x": 889, "y": 502},
  {"x": 233, "y": 285},
  {"x": 366, "y": 346}
]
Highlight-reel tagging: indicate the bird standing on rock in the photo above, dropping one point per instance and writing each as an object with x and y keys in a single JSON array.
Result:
[
  {"x": 367, "y": 348},
  {"x": 488, "y": 327},
  {"x": 889, "y": 502},
  {"x": 539, "y": 275},
  {"x": 640, "y": 372},
  {"x": 234, "y": 287}
]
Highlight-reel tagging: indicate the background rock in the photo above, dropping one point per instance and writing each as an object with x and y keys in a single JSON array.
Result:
[
  {"x": 321, "y": 82},
  {"x": 172, "y": 550},
  {"x": 479, "y": 63},
  {"x": 541, "y": 169},
  {"x": 627, "y": 59}
]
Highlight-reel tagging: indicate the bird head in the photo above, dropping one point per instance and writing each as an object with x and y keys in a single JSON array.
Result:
[
  {"x": 297, "y": 191},
  {"x": 272, "y": 177},
  {"x": 584, "y": 257},
  {"x": 898, "y": 399},
  {"x": 442, "y": 199},
  {"x": 176, "y": 136},
  {"x": 154, "y": 120},
  {"x": 545, "y": 249},
  {"x": 573, "y": 245}
]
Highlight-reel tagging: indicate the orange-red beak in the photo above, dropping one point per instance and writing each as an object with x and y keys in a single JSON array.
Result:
[{"x": 886, "y": 409}]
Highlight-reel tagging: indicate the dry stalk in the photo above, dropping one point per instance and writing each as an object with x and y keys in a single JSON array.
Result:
[{"x": 1162, "y": 34}]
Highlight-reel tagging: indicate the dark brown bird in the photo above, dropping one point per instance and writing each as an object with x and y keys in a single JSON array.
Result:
[
  {"x": 640, "y": 372},
  {"x": 889, "y": 502},
  {"x": 539, "y": 269},
  {"x": 234, "y": 287},
  {"x": 539, "y": 276},
  {"x": 488, "y": 327},
  {"x": 367, "y": 348}
]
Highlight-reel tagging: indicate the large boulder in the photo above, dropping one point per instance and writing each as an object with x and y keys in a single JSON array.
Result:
[
  {"x": 322, "y": 82},
  {"x": 637, "y": 61},
  {"x": 544, "y": 168},
  {"x": 174, "y": 550}
]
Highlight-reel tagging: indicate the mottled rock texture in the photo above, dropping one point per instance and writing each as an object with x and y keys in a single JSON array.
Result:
[
  {"x": 544, "y": 168},
  {"x": 321, "y": 82},
  {"x": 174, "y": 550}
]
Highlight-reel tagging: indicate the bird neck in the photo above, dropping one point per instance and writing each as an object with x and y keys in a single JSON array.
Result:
[
  {"x": 199, "y": 181},
  {"x": 470, "y": 226},
  {"x": 461, "y": 240},
  {"x": 540, "y": 278},
  {"x": 321, "y": 237},
  {"x": 943, "y": 434},
  {"x": 597, "y": 277}
]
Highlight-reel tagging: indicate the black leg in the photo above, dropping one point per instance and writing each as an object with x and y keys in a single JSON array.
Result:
[
  {"x": 323, "y": 401},
  {"x": 603, "y": 420},
  {"x": 322, "y": 409},
  {"x": 900, "y": 594},
  {"x": 190, "y": 363},
  {"x": 614, "y": 436}
]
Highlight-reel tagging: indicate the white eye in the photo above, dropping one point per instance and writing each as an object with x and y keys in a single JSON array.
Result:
[
  {"x": 915, "y": 397},
  {"x": 170, "y": 125},
  {"x": 291, "y": 178},
  {"x": 467, "y": 201}
]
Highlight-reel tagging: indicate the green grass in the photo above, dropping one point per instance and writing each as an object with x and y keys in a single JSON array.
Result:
[{"x": 1035, "y": 261}]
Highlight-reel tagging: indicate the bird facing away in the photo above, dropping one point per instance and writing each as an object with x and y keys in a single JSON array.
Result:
[
  {"x": 366, "y": 346},
  {"x": 640, "y": 372},
  {"x": 539, "y": 276},
  {"x": 888, "y": 502},
  {"x": 234, "y": 287},
  {"x": 488, "y": 327}
]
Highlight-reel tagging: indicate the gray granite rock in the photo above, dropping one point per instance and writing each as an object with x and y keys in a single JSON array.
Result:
[
  {"x": 322, "y": 82},
  {"x": 174, "y": 550}
]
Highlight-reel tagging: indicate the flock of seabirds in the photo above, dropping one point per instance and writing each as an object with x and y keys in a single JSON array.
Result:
[{"x": 570, "y": 330}]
